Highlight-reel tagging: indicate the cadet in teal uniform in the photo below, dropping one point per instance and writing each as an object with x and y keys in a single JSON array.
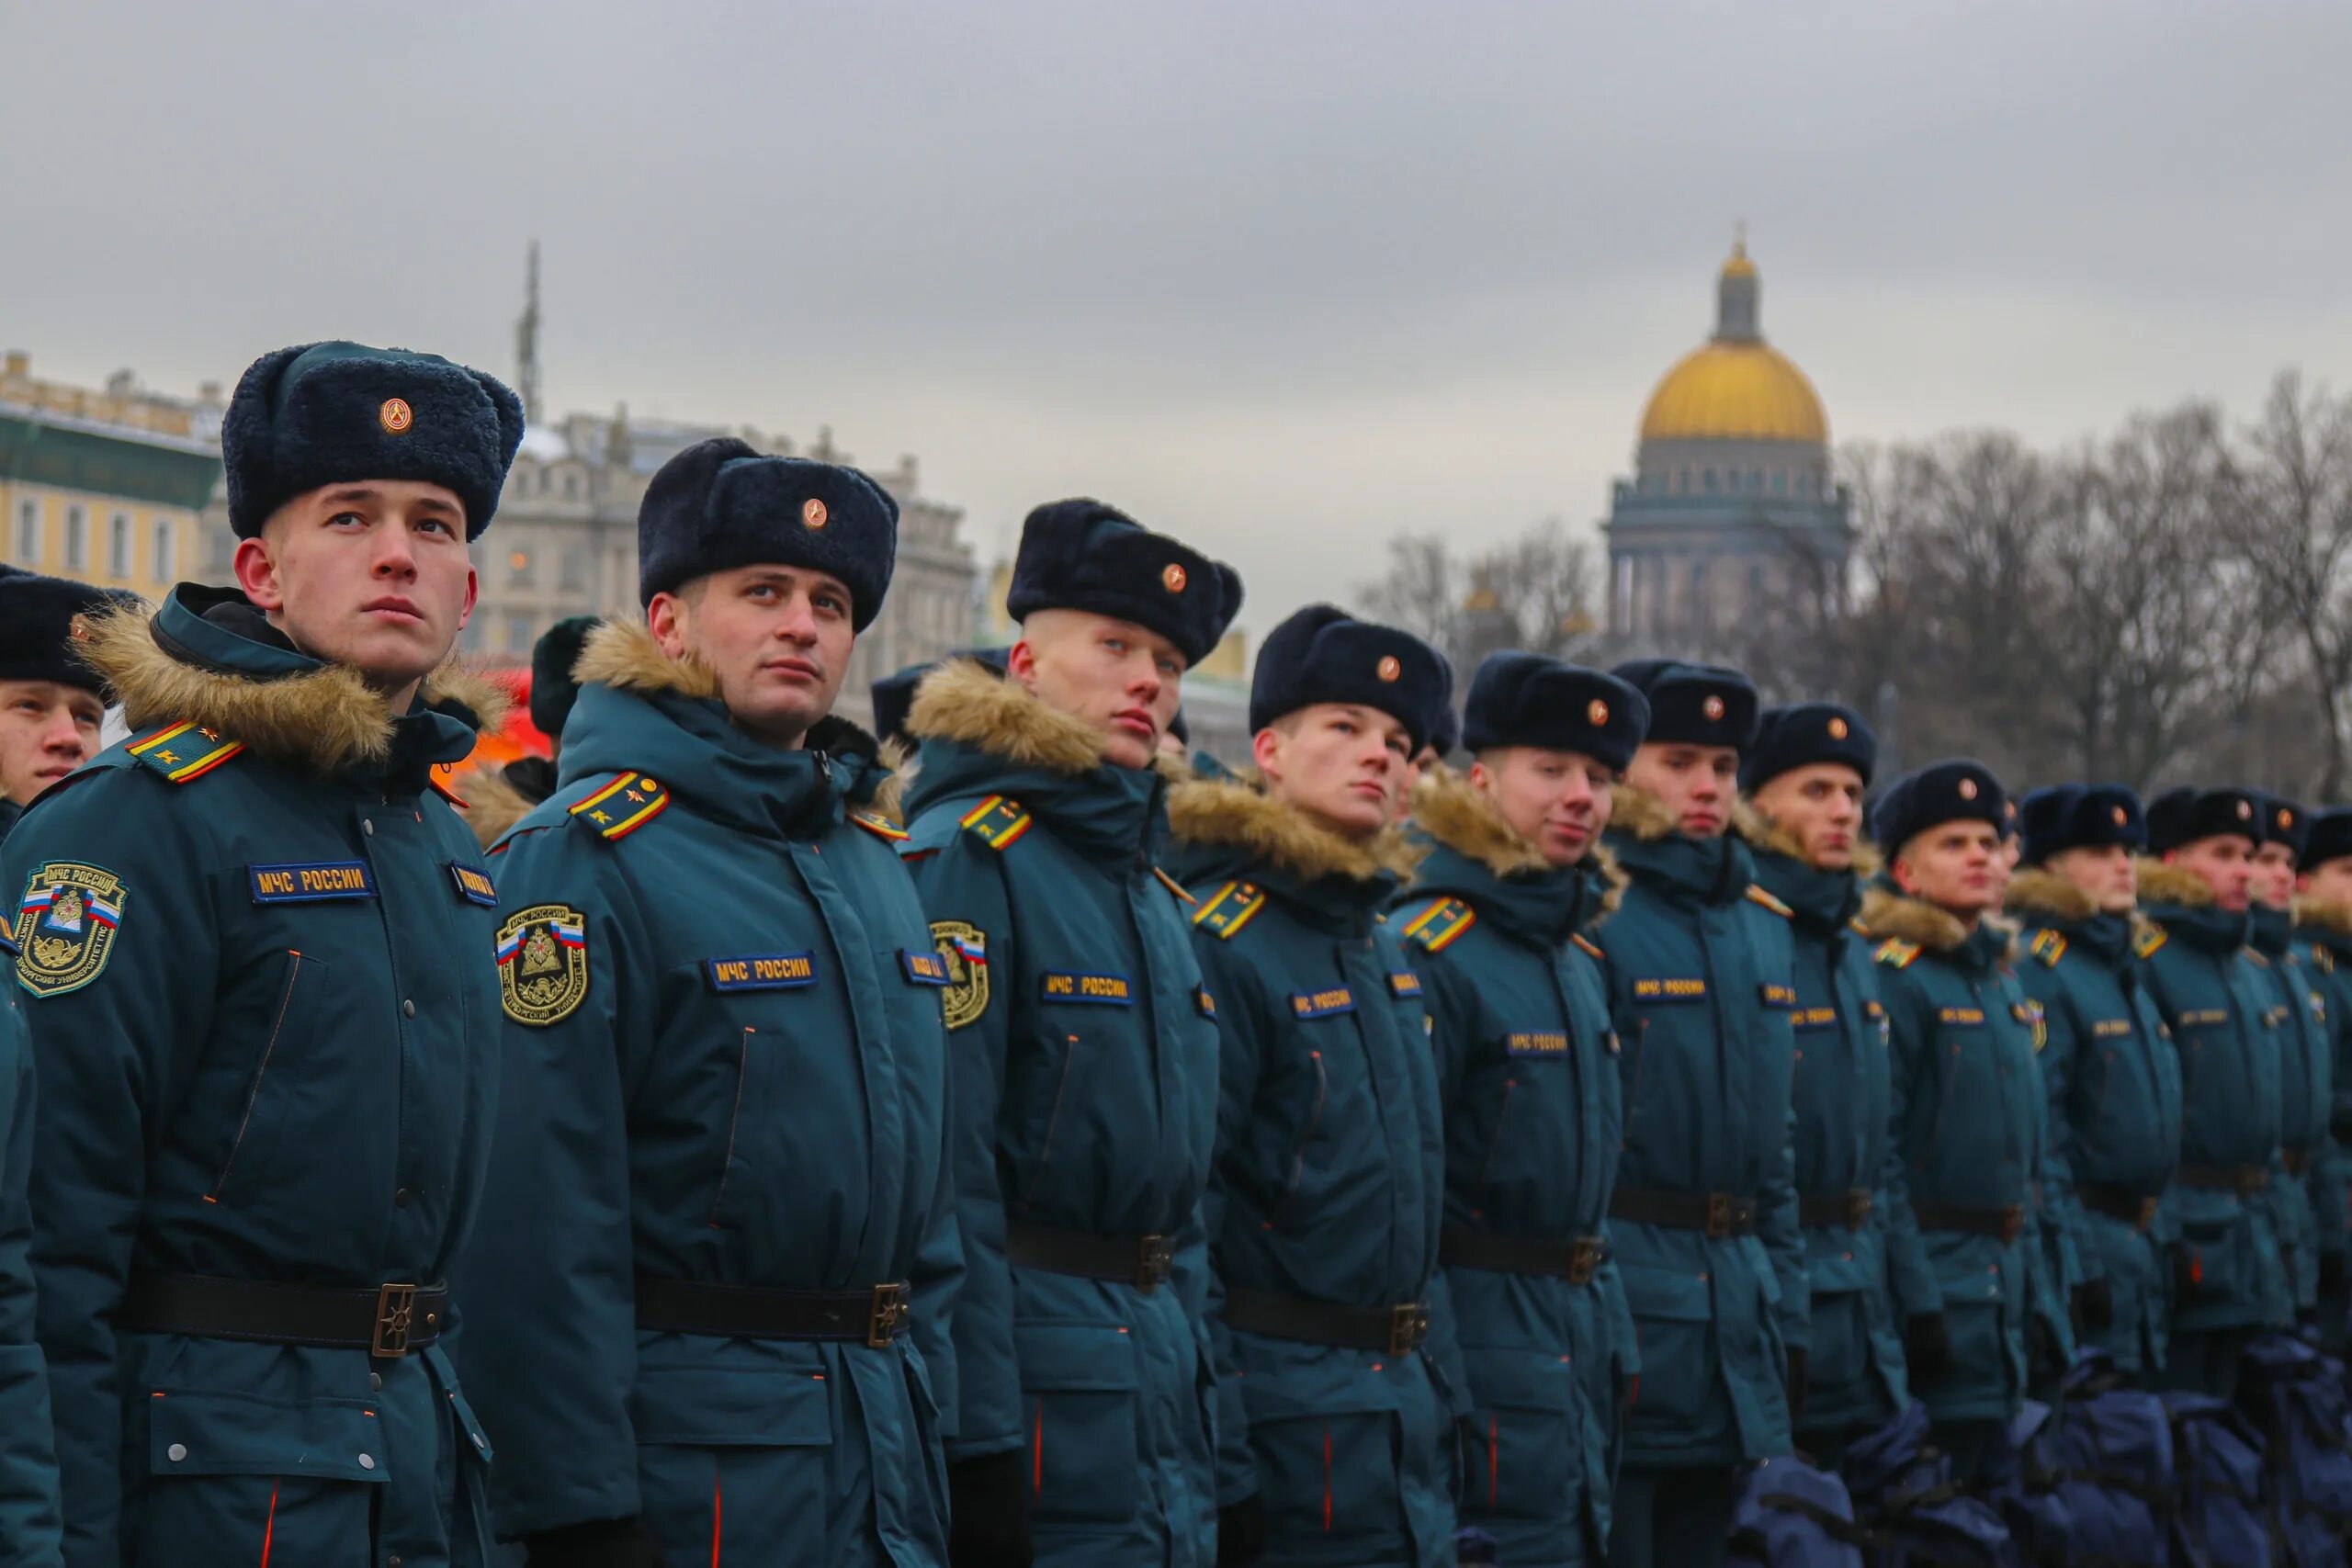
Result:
[
  {"x": 1512, "y": 878},
  {"x": 1326, "y": 1200},
  {"x": 2304, "y": 1195},
  {"x": 497, "y": 798},
  {"x": 1704, "y": 1214},
  {"x": 51, "y": 705},
  {"x": 1085, "y": 1057},
  {"x": 711, "y": 1288},
  {"x": 2107, "y": 1062},
  {"x": 255, "y": 971},
  {"x": 2322, "y": 938},
  {"x": 1806, "y": 776},
  {"x": 2229, "y": 1278},
  {"x": 1967, "y": 1099}
]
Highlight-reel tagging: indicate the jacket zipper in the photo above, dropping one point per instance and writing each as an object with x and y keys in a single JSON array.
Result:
[
  {"x": 1053, "y": 1118},
  {"x": 1313, "y": 1122},
  {"x": 1495, "y": 1139},
  {"x": 734, "y": 1120},
  {"x": 269, "y": 1048}
]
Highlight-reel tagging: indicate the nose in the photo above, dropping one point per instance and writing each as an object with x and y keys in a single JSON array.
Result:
[
  {"x": 59, "y": 733},
  {"x": 1577, "y": 789},
  {"x": 799, "y": 621},
  {"x": 395, "y": 555},
  {"x": 1145, "y": 685}
]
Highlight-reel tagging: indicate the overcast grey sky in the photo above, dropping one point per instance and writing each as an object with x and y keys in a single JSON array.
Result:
[{"x": 1283, "y": 279}]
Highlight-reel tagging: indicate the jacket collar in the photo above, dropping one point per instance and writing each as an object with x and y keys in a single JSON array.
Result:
[
  {"x": 1824, "y": 902},
  {"x": 1649, "y": 844},
  {"x": 1232, "y": 828},
  {"x": 208, "y": 657},
  {"x": 983, "y": 733},
  {"x": 2180, "y": 901},
  {"x": 640, "y": 709},
  {"x": 1888, "y": 912},
  {"x": 2040, "y": 897},
  {"x": 1474, "y": 854},
  {"x": 2326, "y": 922},
  {"x": 2270, "y": 932}
]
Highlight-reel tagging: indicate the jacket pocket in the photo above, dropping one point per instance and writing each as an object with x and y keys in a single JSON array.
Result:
[
  {"x": 1527, "y": 1461},
  {"x": 1674, "y": 1325},
  {"x": 288, "y": 1027},
  {"x": 233, "y": 1477},
  {"x": 734, "y": 1456},
  {"x": 1080, "y": 1407},
  {"x": 734, "y": 1122}
]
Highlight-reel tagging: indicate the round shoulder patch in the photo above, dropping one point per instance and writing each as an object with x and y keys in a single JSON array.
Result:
[
  {"x": 543, "y": 963},
  {"x": 66, "y": 926},
  {"x": 965, "y": 947}
]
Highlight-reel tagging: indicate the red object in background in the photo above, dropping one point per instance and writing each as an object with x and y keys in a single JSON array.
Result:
[{"x": 518, "y": 736}]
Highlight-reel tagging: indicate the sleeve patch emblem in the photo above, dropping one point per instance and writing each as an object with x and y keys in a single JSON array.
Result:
[
  {"x": 66, "y": 926},
  {"x": 964, "y": 949},
  {"x": 474, "y": 884},
  {"x": 925, "y": 968},
  {"x": 543, "y": 965}
]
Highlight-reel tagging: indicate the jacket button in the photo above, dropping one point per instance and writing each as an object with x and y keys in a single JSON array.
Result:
[
  {"x": 375, "y": 1380},
  {"x": 367, "y": 1461},
  {"x": 176, "y": 1452},
  {"x": 408, "y": 1009},
  {"x": 368, "y": 826},
  {"x": 399, "y": 1200}
]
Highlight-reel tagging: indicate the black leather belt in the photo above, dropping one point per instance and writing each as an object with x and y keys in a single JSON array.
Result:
[
  {"x": 2132, "y": 1208},
  {"x": 874, "y": 1317},
  {"x": 2002, "y": 1224},
  {"x": 388, "y": 1320},
  {"x": 1397, "y": 1330},
  {"x": 1575, "y": 1260},
  {"x": 1720, "y": 1215},
  {"x": 1142, "y": 1261},
  {"x": 1850, "y": 1210},
  {"x": 2243, "y": 1180},
  {"x": 2297, "y": 1161}
]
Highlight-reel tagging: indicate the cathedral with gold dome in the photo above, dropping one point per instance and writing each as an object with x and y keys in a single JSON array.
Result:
[{"x": 1732, "y": 513}]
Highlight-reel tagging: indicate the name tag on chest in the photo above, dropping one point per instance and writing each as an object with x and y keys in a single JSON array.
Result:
[
  {"x": 311, "y": 881},
  {"x": 1670, "y": 989},
  {"x": 1536, "y": 1043},
  {"x": 762, "y": 972},
  {"x": 1093, "y": 990},
  {"x": 1322, "y": 1004}
]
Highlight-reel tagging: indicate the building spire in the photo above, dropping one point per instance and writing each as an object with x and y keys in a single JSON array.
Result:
[
  {"x": 527, "y": 344},
  {"x": 1737, "y": 294}
]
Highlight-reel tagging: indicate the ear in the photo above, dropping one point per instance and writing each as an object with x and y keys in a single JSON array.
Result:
[
  {"x": 1021, "y": 664},
  {"x": 1482, "y": 778},
  {"x": 665, "y": 617},
  {"x": 256, "y": 569},
  {"x": 1266, "y": 751},
  {"x": 1904, "y": 878}
]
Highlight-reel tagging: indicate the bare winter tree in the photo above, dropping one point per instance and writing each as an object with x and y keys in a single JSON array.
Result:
[{"x": 1535, "y": 592}]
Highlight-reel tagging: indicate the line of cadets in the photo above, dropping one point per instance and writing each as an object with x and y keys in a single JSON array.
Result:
[{"x": 1051, "y": 1152}]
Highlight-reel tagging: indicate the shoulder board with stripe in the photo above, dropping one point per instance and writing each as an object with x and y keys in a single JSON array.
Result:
[
  {"x": 1174, "y": 886},
  {"x": 439, "y": 779},
  {"x": 879, "y": 826},
  {"x": 2049, "y": 947},
  {"x": 185, "y": 752},
  {"x": 1757, "y": 894},
  {"x": 999, "y": 822},
  {"x": 1588, "y": 944},
  {"x": 1439, "y": 926},
  {"x": 1896, "y": 953},
  {"x": 1231, "y": 907},
  {"x": 622, "y": 804}
]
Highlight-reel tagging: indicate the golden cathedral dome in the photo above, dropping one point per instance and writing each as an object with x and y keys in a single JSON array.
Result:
[{"x": 1736, "y": 387}]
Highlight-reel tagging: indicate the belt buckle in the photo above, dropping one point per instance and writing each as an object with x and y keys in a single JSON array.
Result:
[
  {"x": 1859, "y": 1202},
  {"x": 888, "y": 1317},
  {"x": 395, "y": 1313},
  {"x": 2012, "y": 1223},
  {"x": 2251, "y": 1179},
  {"x": 1409, "y": 1324},
  {"x": 2147, "y": 1217},
  {"x": 1584, "y": 1260},
  {"x": 1719, "y": 1215},
  {"x": 1156, "y": 1259}
]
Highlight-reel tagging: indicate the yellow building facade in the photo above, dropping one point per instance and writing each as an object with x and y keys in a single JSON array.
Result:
[{"x": 107, "y": 486}]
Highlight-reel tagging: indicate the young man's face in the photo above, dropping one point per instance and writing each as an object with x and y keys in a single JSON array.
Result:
[
  {"x": 1123, "y": 679},
  {"x": 2329, "y": 882},
  {"x": 777, "y": 636},
  {"x": 1558, "y": 801},
  {"x": 372, "y": 575},
  {"x": 2107, "y": 875},
  {"x": 2273, "y": 877},
  {"x": 1952, "y": 866},
  {"x": 1341, "y": 762},
  {"x": 2225, "y": 863},
  {"x": 1821, "y": 805},
  {"x": 47, "y": 730},
  {"x": 1697, "y": 783}
]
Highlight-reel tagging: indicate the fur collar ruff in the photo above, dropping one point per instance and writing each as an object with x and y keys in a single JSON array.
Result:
[
  {"x": 2034, "y": 891},
  {"x": 325, "y": 720},
  {"x": 967, "y": 702},
  {"x": 1234, "y": 814},
  {"x": 2162, "y": 883},
  {"x": 1889, "y": 914},
  {"x": 1762, "y": 833},
  {"x": 624, "y": 656},
  {"x": 2320, "y": 914},
  {"x": 1455, "y": 812}
]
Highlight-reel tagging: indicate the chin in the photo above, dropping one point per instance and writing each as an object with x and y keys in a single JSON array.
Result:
[{"x": 1122, "y": 749}]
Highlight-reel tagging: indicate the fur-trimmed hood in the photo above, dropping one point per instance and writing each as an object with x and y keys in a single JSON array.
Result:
[
  {"x": 624, "y": 656},
  {"x": 2044, "y": 894},
  {"x": 1639, "y": 815},
  {"x": 493, "y": 805},
  {"x": 1454, "y": 813},
  {"x": 324, "y": 720},
  {"x": 1235, "y": 814},
  {"x": 1887, "y": 913},
  {"x": 2176, "y": 885},
  {"x": 2322, "y": 915},
  {"x": 965, "y": 701},
  {"x": 1768, "y": 837}
]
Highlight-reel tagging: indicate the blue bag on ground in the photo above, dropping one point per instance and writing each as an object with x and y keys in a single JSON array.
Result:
[
  {"x": 2219, "y": 1520},
  {"x": 1790, "y": 1515},
  {"x": 2109, "y": 1459},
  {"x": 2294, "y": 1396},
  {"x": 1915, "y": 1513},
  {"x": 2018, "y": 1481}
]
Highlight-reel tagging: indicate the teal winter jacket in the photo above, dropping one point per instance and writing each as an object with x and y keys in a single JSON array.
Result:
[
  {"x": 2306, "y": 1095},
  {"x": 29, "y": 1519}
]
